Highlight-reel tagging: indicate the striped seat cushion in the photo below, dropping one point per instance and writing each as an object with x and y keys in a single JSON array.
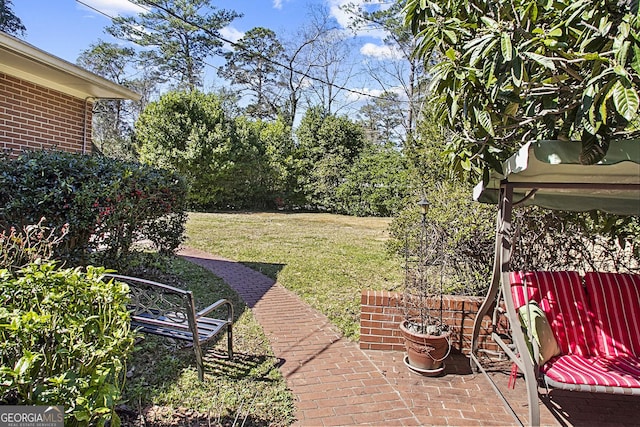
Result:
[
  {"x": 562, "y": 298},
  {"x": 615, "y": 301},
  {"x": 597, "y": 374}
]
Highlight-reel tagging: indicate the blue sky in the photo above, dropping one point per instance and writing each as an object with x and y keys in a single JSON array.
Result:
[{"x": 66, "y": 27}]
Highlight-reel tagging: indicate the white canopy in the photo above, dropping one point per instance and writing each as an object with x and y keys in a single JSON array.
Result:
[{"x": 549, "y": 174}]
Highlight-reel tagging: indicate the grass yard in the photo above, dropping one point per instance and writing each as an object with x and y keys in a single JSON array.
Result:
[{"x": 326, "y": 259}]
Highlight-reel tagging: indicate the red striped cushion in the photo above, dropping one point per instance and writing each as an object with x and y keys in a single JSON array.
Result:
[
  {"x": 615, "y": 301},
  {"x": 596, "y": 371},
  {"x": 562, "y": 298}
]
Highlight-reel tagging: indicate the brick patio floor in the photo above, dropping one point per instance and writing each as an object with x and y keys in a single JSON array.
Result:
[{"x": 337, "y": 384}]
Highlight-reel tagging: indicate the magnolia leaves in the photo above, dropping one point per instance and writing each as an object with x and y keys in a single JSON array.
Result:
[
  {"x": 625, "y": 100},
  {"x": 509, "y": 72}
]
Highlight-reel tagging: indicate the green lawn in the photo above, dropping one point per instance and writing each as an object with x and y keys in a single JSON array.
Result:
[{"x": 326, "y": 259}]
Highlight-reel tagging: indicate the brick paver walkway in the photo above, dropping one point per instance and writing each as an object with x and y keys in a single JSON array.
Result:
[{"x": 336, "y": 383}]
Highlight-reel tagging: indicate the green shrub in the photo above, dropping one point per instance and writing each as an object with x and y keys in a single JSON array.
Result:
[
  {"x": 375, "y": 185},
  {"x": 466, "y": 232},
  {"x": 64, "y": 339},
  {"x": 107, "y": 203},
  {"x": 543, "y": 239}
]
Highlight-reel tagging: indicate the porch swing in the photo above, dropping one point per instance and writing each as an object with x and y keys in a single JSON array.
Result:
[{"x": 582, "y": 333}]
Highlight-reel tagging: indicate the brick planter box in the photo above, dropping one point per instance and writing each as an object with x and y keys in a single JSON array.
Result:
[{"x": 381, "y": 312}]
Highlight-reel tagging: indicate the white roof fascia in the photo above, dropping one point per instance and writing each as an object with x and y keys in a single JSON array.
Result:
[{"x": 27, "y": 62}]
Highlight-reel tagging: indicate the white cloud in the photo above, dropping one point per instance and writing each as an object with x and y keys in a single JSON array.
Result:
[
  {"x": 380, "y": 51},
  {"x": 279, "y": 4},
  {"x": 115, "y": 7},
  {"x": 345, "y": 19},
  {"x": 232, "y": 34}
]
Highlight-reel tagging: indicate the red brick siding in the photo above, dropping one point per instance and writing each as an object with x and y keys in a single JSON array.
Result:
[
  {"x": 33, "y": 117},
  {"x": 381, "y": 312}
]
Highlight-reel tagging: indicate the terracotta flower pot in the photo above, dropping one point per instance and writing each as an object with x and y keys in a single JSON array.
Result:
[{"x": 425, "y": 353}]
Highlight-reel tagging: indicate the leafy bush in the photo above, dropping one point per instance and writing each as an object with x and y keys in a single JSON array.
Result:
[
  {"x": 466, "y": 234},
  {"x": 190, "y": 133},
  {"x": 375, "y": 185},
  {"x": 573, "y": 241},
  {"x": 107, "y": 203},
  {"x": 543, "y": 239},
  {"x": 50, "y": 354},
  {"x": 328, "y": 145}
]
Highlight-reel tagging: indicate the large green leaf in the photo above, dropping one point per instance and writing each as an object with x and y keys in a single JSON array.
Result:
[
  {"x": 484, "y": 118},
  {"x": 505, "y": 44},
  {"x": 517, "y": 71},
  {"x": 625, "y": 100},
  {"x": 512, "y": 109},
  {"x": 542, "y": 60},
  {"x": 635, "y": 64},
  {"x": 481, "y": 49}
]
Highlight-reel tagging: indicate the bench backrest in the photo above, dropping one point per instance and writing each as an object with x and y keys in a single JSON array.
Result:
[
  {"x": 157, "y": 301},
  {"x": 615, "y": 301},
  {"x": 563, "y": 299}
]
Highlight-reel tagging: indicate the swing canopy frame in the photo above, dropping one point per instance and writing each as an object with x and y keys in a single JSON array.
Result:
[{"x": 593, "y": 355}]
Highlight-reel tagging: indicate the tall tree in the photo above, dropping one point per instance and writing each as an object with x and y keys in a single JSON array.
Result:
[
  {"x": 113, "y": 119},
  {"x": 296, "y": 77},
  {"x": 397, "y": 69},
  {"x": 511, "y": 71},
  {"x": 381, "y": 117},
  {"x": 326, "y": 58},
  {"x": 252, "y": 65},
  {"x": 181, "y": 33},
  {"x": 9, "y": 22}
]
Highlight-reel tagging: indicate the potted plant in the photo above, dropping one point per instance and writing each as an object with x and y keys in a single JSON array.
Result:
[{"x": 427, "y": 337}]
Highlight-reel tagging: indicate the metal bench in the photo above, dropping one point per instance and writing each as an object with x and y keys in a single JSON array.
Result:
[{"x": 168, "y": 311}]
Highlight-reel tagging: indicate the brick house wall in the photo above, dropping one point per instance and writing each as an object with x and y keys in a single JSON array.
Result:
[
  {"x": 33, "y": 117},
  {"x": 381, "y": 312}
]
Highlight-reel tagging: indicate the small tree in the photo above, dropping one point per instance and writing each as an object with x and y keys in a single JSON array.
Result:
[
  {"x": 226, "y": 164},
  {"x": 187, "y": 132},
  {"x": 327, "y": 147},
  {"x": 512, "y": 71}
]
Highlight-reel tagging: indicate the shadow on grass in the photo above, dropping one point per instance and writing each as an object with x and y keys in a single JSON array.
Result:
[
  {"x": 163, "y": 389},
  {"x": 159, "y": 361},
  {"x": 268, "y": 269},
  {"x": 242, "y": 366},
  {"x": 251, "y": 280}
]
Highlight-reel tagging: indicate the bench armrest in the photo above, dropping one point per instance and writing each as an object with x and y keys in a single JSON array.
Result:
[{"x": 215, "y": 305}]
